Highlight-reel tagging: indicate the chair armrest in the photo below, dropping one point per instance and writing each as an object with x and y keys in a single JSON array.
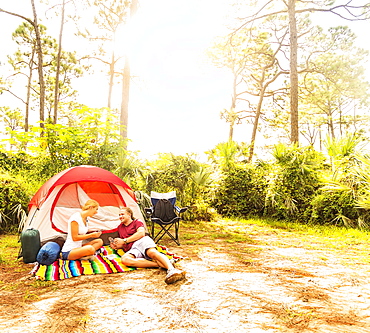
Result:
[
  {"x": 181, "y": 210},
  {"x": 149, "y": 211}
]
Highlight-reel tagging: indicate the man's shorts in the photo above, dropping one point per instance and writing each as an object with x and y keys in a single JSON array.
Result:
[{"x": 138, "y": 249}]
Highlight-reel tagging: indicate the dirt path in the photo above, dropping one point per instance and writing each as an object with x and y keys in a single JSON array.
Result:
[{"x": 278, "y": 285}]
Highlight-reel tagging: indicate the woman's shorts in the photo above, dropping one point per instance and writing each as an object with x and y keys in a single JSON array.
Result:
[
  {"x": 65, "y": 255},
  {"x": 138, "y": 249}
]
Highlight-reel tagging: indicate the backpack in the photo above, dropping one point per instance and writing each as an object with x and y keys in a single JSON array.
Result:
[{"x": 164, "y": 210}]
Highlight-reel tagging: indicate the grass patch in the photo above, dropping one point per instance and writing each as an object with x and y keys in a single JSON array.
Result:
[
  {"x": 9, "y": 249},
  {"x": 254, "y": 233},
  {"x": 192, "y": 236},
  {"x": 351, "y": 235},
  {"x": 39, "y": 284},
  {"x": 201, "y": 233},
  {"x": 319, "y": 236}
]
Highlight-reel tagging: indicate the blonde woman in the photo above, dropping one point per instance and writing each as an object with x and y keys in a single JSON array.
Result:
[{"x": 78, "y": 226}]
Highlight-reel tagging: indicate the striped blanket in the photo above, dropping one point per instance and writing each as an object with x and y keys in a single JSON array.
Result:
[{"x": 109, "y": 261}]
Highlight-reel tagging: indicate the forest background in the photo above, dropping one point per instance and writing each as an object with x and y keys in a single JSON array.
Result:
[{"x": 299, "y": 89}]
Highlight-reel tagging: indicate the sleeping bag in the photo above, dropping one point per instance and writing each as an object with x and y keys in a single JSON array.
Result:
[
  {"x": 48, "y": 253},
  {"x": 30, "y": 245}
]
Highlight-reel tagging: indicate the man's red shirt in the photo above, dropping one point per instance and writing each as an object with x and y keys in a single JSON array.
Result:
[{"x": 125, "y": 231}]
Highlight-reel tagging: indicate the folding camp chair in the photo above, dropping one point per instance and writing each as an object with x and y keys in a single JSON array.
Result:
[{"x": 166, "y": 215}]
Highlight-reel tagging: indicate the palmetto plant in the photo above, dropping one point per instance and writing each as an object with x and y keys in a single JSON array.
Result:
[
  {"x": 362, "y": 185},
  {"x": 16, "y": 215},
  {"x": 350, "y": 178},
  {"x": 225, "y": 154},
  {"x": 293, "y": 180},
  {"x": 342, "y": 151},
  {"x": 201, "y": 179},
  {"x": 129, "y": 168}
]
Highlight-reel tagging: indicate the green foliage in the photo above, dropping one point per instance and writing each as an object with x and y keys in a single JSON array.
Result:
[
  {"x": 11, "y": 118},
  {"x": 170, "y": 173},
  {"x": 291, "y": 187},
  {"x": 14, "y": 198},
  {"x": 241, "y": 191},
  {"x": 93, "y": 139},
  {"x": 362, "y": 174},
  {"x": 129, "y": 168},
  {"x": 293, "y": 181},
  {"x": 337, "y": 208},
  {"x": 342, "y": 152},
  {"x": 24, "y": 59},
  {"x": 226, "y": 154},
  {"x": 202, "y": 211},
  {"x": 9, "y": 248},
  {"x": 14, "y": 162},
  {"x": 190, "y": 179},
  {"x": 345, "y": 193},
  {"x": 337, "y": 82},
  {"x": 143, "y": 200},
  {"x": 24, "y": 168}
]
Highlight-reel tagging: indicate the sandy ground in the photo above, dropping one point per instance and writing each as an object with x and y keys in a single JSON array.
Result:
[{"x": 273, "y": 288}]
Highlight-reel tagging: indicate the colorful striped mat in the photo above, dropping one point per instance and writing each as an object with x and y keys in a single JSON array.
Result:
[{"x": 65, "y": 269}]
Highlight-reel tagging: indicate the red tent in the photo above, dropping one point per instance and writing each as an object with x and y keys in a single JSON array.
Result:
[{"x": 65, "y": 193}]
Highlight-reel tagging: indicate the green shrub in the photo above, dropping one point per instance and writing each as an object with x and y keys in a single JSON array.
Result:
[
  {"x": 14, "y": 162},
  {"x": 289, "y": 193},
  {"x": 14, "y": 198},
  {"x": 241, "y": 191},
  {"x": 189, "y": 178},
  {"x": 201, "y": 212},
  {"x": 293, "y": 183},
  {"x": 171, "y": 173},
  {"x": 90, "y": 138},
  {"x": 338, "y": 208},
  {"x": 333, "y": 208}
]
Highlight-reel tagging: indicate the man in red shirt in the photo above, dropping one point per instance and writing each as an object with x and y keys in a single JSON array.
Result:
[{"x": 140, "y": 250}]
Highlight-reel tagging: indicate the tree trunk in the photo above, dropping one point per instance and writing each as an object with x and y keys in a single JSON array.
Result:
[
  {"x": 255, "y": 124},
  {"x": 56, "y": 91},
  {"x": 126, "y": 86},
  {"x": 331, "y": 127},
  {"x": 232, "y": 108},
  {"x": 111, "y": 80},
  {"x": 26, "y": 118},
  {"x": 231, "y": 131},
  {"x": 125, "y": 99},
  {"x": 293, "y": 73},
  {"x": 340, "y": 123},
  {"x": 39, "y": 66}
]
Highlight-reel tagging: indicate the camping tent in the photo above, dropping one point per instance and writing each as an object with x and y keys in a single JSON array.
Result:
[{"x": 65, "y": 193}]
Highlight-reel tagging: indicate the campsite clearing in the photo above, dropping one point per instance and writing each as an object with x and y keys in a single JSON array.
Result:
[{"x": 270, "y": 280}]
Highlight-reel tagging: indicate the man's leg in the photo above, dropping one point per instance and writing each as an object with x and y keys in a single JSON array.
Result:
[
  {"x": 161, "y": 259},
  {"x": 173, "y": 274},
  {"x": 130, "y": 260}
]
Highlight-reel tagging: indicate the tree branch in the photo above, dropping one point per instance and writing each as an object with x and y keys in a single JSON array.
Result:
[
  {"x": 10, "y": 92},
  {"x": 20, "y": 16}
]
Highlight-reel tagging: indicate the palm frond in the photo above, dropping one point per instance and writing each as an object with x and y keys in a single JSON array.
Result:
[
  {"x": 333, "y": 186},
  {"x": 347, "y": 222}
]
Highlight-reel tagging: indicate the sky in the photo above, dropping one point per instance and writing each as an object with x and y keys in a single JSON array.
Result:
[
  {"x": 176, "y": 95},
  {"x": 177, "y": 98}
]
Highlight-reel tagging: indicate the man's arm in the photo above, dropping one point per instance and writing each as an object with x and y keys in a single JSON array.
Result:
[{"x": 118, "y": 243}]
